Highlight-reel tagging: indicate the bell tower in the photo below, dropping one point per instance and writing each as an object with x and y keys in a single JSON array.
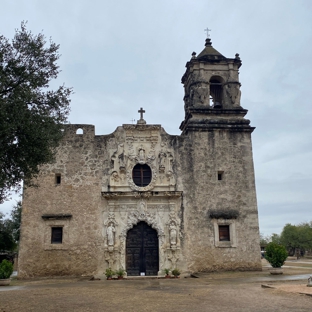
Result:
[
  {"x": 216, "y": 164},
  {"x": 212, "y": 92}
]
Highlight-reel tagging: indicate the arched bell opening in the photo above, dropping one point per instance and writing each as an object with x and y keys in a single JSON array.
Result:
[
  {"x": 216, "y": 91},
  {"x": 142, "y": 250}
]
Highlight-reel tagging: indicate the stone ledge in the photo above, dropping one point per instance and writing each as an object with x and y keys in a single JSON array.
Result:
[
  {"x": 60, "y": 216},
  {"x": 111, "y": 195}
]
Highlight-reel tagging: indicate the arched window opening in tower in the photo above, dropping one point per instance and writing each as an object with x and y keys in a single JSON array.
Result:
[
  {"x": 142, "y": 175},
  {"x": 216, "y": 92}
]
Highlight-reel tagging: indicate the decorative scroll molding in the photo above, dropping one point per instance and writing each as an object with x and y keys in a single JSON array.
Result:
[
  {"x": 234, "y": 92},
  {"x": 116, "y": 195},
  {"x": 110, "y": 256},
  {"x": 173, "y": 256},
  {"x": 141, "y": 158},
  {"x": 111, "y": 219},
  {"x": 140, "y": 215},
  {"x": 141, "y": 127}
]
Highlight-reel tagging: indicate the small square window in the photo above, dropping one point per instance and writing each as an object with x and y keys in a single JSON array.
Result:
[
  {"x": 220, "y": 175},
  {"x": 224, "y": 233},
  {"x": 58, "y": 178},
  {"x": 56, "y": 235}
]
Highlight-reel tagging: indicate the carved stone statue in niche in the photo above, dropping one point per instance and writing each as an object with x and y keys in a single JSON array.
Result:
[
  {"x": 141, "y": 156},
  {"x": 170, "y": 157},
  {"x": 162, "y": 161},
  {"x": 173, "y": 234},
  {"x": 115, "y": 176},
  {"x": 110, "y": 232},
  {"x": 130, "y": 146},
  {"x": 171, "y": 178},
  {"x": 121, "y": 156}
]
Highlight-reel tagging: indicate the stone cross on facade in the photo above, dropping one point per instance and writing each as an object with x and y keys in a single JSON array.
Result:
[
  {"x": 141, "y": 121},
  {"x": 207, "y": 31},
  {"x": 141, "y": 111}
]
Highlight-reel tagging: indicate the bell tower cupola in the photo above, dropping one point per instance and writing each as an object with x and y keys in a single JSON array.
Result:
[{"x": 212, "y": 93}]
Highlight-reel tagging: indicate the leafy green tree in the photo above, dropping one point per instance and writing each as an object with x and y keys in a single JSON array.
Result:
[
  {"x": 15, "y": 221},
  {"x": 275, "y": 238},
  {"x": 7, "y": 242},
  {"x": 264, "y": 240},
  {"x": 31, "y": 113},
  {"x": 289, "y": 238},
  {"x": 297, "y": 237},
  {"x": 10, "y": 229}
]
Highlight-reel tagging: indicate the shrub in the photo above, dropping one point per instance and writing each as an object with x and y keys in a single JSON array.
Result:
[
  {"x": 6, "y": 269},
  {"x": 120, "y": 272},
  {"x": 176, "y": 272},
  {"x": 109, "y": 272},
  {"x": 276, "y": 254},
  {"x": 167, "y": 271}
]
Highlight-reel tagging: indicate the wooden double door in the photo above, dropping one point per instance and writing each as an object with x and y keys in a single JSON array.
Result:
[{"x": 142, "y": 252}]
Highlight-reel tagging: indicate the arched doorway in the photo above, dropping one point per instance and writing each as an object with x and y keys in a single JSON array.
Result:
[{"x": 142, "y": 254}]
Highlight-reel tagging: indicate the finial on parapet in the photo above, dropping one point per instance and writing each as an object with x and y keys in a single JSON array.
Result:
[{"x": 141, "y": 121}]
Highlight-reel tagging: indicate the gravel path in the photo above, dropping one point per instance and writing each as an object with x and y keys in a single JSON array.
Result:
[{"x": 231, "y": 291}]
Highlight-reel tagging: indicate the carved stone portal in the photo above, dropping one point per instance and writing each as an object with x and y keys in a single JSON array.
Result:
[{"x": 173, "y": 256}]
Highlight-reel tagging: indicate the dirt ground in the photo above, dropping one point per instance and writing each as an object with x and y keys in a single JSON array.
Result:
[{"x": 227, "y": 291}]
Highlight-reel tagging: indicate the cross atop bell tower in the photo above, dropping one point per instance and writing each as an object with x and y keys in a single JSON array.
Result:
[{"x": 207, "y": 32}]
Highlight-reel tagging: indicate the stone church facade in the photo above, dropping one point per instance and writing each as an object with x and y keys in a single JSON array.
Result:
[{"x": 142, "y": 200}]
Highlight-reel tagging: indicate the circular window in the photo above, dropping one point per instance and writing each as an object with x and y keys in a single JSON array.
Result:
[{"x": 141, "y": 175}]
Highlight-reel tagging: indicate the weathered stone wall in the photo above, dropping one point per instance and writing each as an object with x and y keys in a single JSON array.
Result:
[
  {"x": 79, "y": 194},
  {"x": 186, "y": 195},
  {"x": 199, "y": 159},
  {"x": 91, "y": 166}
]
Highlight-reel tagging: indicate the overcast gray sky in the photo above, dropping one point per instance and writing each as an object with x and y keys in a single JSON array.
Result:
[{"x": 122, "y": 55}]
